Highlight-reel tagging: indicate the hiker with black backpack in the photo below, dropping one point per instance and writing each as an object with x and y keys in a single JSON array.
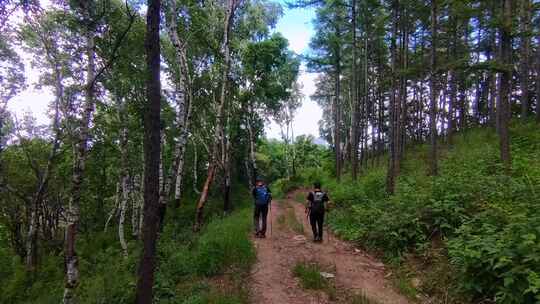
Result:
[
  {"x": 316, "y": 207},
  {"x": 263, "y": 198}
]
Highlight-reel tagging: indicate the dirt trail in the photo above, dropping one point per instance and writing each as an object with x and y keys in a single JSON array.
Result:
[{"x": 274, "y": 283}]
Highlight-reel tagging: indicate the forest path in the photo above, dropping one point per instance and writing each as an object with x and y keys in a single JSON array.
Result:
[{"x": 289, "y": 242}]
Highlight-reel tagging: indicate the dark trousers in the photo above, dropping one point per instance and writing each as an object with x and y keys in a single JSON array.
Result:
[
  {"x": 260, "y": 215},
  {"x": 316, "y": 219}
]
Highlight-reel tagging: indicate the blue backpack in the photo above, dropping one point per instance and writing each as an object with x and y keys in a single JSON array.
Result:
[{"x": 262, "y": 196}]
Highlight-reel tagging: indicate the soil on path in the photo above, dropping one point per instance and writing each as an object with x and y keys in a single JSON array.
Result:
[{"x": 272, "y": 279}]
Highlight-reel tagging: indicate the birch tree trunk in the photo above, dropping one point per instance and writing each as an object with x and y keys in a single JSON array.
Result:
[
  {"x": 227, "y": 167},
  {"x": 43, "y": 179},
  {"x": 73, "y": 214},
  {"x": 219, "y": 130},
  {"x": 136, "y": 206},
  {"x": 123, "y": 207},
  {"x": 184, "y": 89},
  {"x": 147, "y": 263},
  {"x": 124, "y": 178},
  {"x": 115, "y": 209}
]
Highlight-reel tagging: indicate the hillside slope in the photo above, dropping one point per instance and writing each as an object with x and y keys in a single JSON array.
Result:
[{"x": 472, "y": 233}]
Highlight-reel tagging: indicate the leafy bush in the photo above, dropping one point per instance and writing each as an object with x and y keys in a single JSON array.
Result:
[
  {"x": 108, "y": 277},
  {"x": 225, "y": 243},
  {"x": 487, "y": 223}
]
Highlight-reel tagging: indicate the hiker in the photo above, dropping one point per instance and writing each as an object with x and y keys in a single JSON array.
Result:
[
  {"x": 316, "y": 206},
  {"x": 263, "y": 198}
]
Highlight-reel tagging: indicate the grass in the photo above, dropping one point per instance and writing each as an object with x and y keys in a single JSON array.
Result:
[
  {"x": 402, "y": 281},
  {"x": 211, "y": 266},
  {"x": 300, "y": 197},
  {"x": 310, "y": 277},
  {"x": 361, "y": 298},
  {"x": 472, "y": 215},
  {"x": 290, "y": 219}
]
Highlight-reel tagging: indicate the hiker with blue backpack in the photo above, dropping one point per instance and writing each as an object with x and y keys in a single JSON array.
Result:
[
  {"x": 263, "y": 198},
  {"x": 315, "y": 209}
]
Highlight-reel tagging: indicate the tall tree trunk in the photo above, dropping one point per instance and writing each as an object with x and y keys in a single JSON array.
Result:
[
  {"x": 184, "y": 89},
  {"x": 252, "y": 158},
  {"x": 147, "y": 263},
  {"x": 395, "y": 105},
  {"x": 227, "y": 167},
  {"x": 43, "y": 178},
  {"x": 452, "y": 79},
  {"x": 136, "y": 204},
  {"x": 73, "y": 214},
  {"x": 124, "y": 176},
  {"x": 354, "y": 98},
  {"x": 337, "y": 111},
  {"x": 114, "y": 211},
  {"x": 525, "y": 56},
  {"x": 504, "y": 89},
  {"x": 433, "y": 166},
  {"x": 492, "y": 83},
  {"x": 179, "y": 163},
  {"x": 219, "y": 130},
  {"x": 403, "y": 95},
  {"x": 463, "y": 104},
  {"x": 162, "y": 196},
  {"x": 122, "y": 218},
  {"x": 538, "y": 80}
]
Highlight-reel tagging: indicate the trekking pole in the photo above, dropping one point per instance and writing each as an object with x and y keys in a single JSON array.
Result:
[{"x": 271, "y": 226}]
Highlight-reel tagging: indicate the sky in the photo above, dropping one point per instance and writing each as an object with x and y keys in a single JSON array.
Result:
[{"x": 295, "y": 25}]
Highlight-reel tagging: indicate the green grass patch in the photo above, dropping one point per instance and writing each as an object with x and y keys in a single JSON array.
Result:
[
  {"x": 300, "y": 197},
  {"x": 310, "y": 276},
  {"x": 291, "y": 220}
]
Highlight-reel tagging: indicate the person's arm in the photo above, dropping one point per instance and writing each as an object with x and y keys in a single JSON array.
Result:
[
  {"x": 325, "y": 201},
  {"x": 269, "y": 195},
  {"x": 309, "y": 199}
]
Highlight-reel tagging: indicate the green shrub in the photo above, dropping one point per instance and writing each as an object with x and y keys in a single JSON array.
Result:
[
  {"x": 486, "y": 223},
  {"x": 225, "y": 243}
]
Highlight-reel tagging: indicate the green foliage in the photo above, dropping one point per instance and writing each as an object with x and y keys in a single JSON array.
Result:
[
  {"x": 283, "y": 186},
  {"x": 107, "y": 277},
  {"x": 310, "y": 276},
  {"x": 487, "y": 223},
  {"x": 225, "y": 244}
]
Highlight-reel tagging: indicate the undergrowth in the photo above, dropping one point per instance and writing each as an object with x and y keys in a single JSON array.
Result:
[
  {"x": 472, "y": 230},
  {"x": 189, "y": 264},
  {"x": 310, "y": 277}
]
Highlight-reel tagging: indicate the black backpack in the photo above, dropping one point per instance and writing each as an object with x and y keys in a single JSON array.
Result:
[{"x": 317, "y": 205}]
